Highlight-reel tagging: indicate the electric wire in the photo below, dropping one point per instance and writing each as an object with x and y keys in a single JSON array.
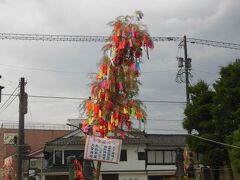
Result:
[
  {"x": 81, "y": 98},
  {"x": 72, "y": 72},
  {"x": 206, "y": 139},
  {"x": 10, "y": 102},
  {"x": 77, "y": 38},
  {"x": 10, "y": 95},
  {"x": 216, "y": 142},
  {"x": 42, "y": 69},
  {"x": 82, "y": 72},
  {"x": 199, "y": 137},
  {"x": 168, "y": 120},
  {"x": 211, "y": 73}
]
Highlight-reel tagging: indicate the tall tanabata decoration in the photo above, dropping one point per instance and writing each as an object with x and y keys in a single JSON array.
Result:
[{"x": 113, "y": 101}]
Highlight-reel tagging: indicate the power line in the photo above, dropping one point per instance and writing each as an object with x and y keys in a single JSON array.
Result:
[
  {"x": 81, "y": 98},
  {"x": 206, "y": 139},
  {"x": 168, "y": 120},
  {"x": 214, "y": 43},
  {"x": 10, "y": 102},
  {"x": 77, "y": 38},
  {"x": 205, "y": 72},
  {"x": 10, "y": 95},
  {"x": 72, "y": 72},
  {"x": 161, "y": 101},
  {"x": 217, "y": 142},
  {"x": 42, "y": 69}
]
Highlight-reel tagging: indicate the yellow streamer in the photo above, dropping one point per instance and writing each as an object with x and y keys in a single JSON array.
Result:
[
  {"x": 125, "y": 111},
  {"x": 112, "y": 119},
  {"x": 90, "y": 121}
]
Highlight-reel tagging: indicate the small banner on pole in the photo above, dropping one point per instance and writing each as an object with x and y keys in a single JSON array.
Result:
[
  {"x": 8, "y": 138},
  {"x": 103, "y": 149}
]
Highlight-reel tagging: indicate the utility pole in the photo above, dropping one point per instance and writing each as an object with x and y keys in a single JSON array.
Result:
[
  {"x": 184, "y": 65},
  {"x": 187, "y": 66},
  {"x": 22, "y": 112}
]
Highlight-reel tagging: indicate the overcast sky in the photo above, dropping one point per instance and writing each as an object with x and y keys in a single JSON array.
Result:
[{"x": 205, "y": 19}]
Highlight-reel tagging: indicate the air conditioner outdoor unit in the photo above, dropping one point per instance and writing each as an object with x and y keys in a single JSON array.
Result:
[{"x": 33, "y": 163}]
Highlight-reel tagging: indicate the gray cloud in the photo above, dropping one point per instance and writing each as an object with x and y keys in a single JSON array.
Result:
[{"x": 214, "y": 20}]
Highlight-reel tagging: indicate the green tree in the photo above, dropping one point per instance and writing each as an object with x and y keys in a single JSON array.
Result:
[
  {"x": 226, "y": 111},
  {"x": 215, "y": 114},
  {"x": 235, "y": 153},
  {"x": 199, "y": 119}
]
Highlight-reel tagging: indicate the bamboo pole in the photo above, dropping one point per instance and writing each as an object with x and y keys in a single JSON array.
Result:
[{"x": 98, "y": 170}]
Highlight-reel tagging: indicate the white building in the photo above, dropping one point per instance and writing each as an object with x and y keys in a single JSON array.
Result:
[{"x": 143, "y": 157}]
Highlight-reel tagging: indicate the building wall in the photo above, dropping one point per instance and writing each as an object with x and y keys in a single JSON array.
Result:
[
  {"x": 132, "y": 162},
  {"x": 132, "y": 168},
  {"x": 34, "y": 137},
  {"x": 135, "y": 176}
]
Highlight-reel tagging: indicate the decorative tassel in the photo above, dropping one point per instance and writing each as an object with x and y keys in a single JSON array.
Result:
[
  {"x": 109, "y": 126},
  {"x": 120, "y": 86},
  {"x": 130, "y": 43},
  {"x": 116, "y": 122},
  {"x": 125, "y": 111},
  {"x": 133, "y": 67},
  {"x": 96, "y": 110},
  {"x": 122, "y": 134},
  {"x": 138, "y": 66},
  {"x": 112, "y": 119},
  {"x": 92, "y": 93}
]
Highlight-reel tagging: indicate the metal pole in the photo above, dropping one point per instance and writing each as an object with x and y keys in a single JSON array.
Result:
[
  {"x": 41, "y": 177},
  {"x": 21, "y": 129},
  {"x": 186, "y": 67}
]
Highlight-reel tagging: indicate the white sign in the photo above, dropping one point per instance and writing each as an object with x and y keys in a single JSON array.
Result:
[
  {"x": 103, "y": 149},
  {"x": 8, "y": 138},
  {"x": 32, "y": 172}
]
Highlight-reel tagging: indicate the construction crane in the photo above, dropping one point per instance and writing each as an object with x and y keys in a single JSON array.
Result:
[{"x": 77, "y": 38}]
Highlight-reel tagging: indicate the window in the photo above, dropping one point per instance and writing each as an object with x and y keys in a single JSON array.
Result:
[
  {"x": 168, "y": 157},
  {"x": 141, "y": 155},
  {"x": 58, "y": 157},
  {"x": 110, "y": 177},
  {"x": 151, "y": 157},
  {"x": 49, "y": 157},
  {"x": 123, "y": 156},
  {"x": 161, "y": 157},
  {"x": 158, "y": 177},
  {"x": 70, "y": 155}
]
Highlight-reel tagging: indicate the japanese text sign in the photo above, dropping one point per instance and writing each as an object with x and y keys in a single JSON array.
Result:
[{"x": 102, "y": 149}]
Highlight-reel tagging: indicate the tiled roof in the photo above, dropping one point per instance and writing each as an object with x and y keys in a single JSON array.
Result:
[
  {"x": 72, "y": 140},
  {"x": 166, "y": 140},
  {"x": 134, "y": 138}
]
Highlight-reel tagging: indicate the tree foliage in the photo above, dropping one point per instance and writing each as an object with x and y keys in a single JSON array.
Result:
[
  {"x": 227, "y": 100},
  {"x": 226, "y": 110},
  {"x": 199, "y": 119},
  {"x": 235, "y": 153},
  {"x": 215, "y": 114}
]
